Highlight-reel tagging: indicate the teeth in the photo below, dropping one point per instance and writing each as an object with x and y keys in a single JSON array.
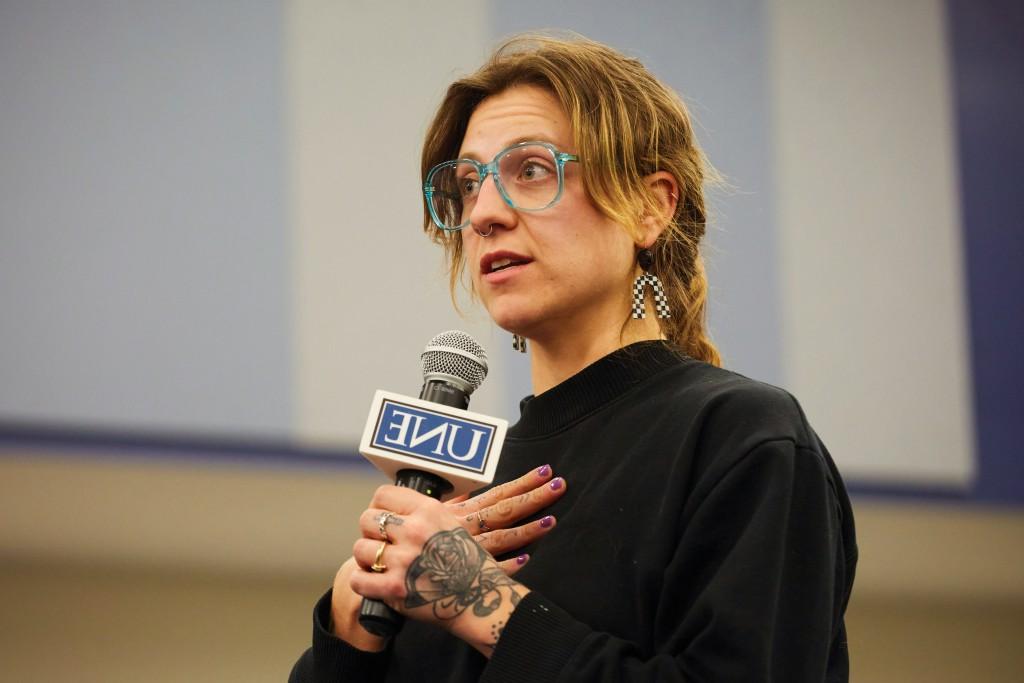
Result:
[{"x": 500, "y": 263}]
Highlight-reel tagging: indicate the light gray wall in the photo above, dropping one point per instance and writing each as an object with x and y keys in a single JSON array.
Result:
[
  {"x": 370, "y": 291},
  {"x": 875, "y": 333},
  {"x": 143, "y": 246}
]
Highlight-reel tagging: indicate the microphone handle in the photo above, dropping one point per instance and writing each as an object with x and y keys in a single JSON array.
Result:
[{"x": 374, "y": 615}]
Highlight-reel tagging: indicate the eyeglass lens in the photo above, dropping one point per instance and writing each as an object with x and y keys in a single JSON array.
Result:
[{"x": 527, "y": 176}]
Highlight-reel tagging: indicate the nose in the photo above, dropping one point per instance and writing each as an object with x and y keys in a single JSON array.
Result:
[{"x": 490, "y": 210}]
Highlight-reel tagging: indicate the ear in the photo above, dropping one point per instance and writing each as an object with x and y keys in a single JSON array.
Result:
[{"x": 665, "y": 190}]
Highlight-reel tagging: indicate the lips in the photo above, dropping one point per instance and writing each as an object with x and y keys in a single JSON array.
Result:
[{"x": 497, "y": 261}]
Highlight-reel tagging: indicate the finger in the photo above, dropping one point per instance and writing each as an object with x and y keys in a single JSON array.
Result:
[
  {"x": 364, "y": 552},
  {"x": 367, "y": 552},
  {"x": 502, "y": 541},
  {"x": 400, "y": 499},
  {"x": 370, "y": 523},
  {"x": 508, "y": 511},
  {"x": 510, "y": 567},
  {"x": 528, "y": 481},
  {"x": 387, "y": 585}
]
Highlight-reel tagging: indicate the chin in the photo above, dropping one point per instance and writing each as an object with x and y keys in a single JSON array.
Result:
[{"x": 514, "y": 319}]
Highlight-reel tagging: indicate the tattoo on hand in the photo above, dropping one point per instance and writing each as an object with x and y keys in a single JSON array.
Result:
[
  {"x": 496, "y": 631},
  {"x": 450, "y": 575},
  {"x": 505, "y": 507}
]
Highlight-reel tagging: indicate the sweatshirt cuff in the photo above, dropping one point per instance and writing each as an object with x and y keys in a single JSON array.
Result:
[
  {"x": 333, "y": 657},
  {"x": 538, "y": 641}
]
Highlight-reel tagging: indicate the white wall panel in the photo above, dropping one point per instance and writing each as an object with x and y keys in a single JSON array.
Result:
[
  {"x": 370, "y": 291},
  {"x": 873, "y": 291}
]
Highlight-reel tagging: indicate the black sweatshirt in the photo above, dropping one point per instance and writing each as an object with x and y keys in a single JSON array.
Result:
[{"x": 705, "y": 535}]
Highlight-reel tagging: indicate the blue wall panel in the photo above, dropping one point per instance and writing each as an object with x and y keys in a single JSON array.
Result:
[{"x": 988, "y": 58}]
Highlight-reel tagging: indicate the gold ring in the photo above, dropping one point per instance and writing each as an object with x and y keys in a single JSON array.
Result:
[
  {"x": 481, "y": 523},
  {"x": 382, "y": 523},
  {"x": 377, "y": 565}
]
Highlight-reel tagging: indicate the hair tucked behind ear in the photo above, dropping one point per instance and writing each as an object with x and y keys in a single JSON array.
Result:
[{"x": 626, "y": 125}]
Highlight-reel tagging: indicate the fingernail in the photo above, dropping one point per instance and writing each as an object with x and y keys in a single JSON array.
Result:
[
  {"x": 544, "y": 471},
  {"x": 521, "y": 560},
  {"x": 546, "y": 522},
  {"x": 556, "y": 484}
]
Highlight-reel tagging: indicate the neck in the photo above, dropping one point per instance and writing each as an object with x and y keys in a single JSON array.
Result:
[{"x": 556, "y": 359}]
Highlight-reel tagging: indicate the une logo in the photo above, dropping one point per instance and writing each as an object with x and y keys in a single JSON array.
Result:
[{"x": 437, "y": 437}]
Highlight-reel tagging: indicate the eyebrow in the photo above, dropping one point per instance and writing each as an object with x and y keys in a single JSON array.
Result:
[{"x": 536, "y": 137}]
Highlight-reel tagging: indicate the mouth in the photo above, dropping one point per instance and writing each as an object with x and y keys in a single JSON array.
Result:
[{"x": 502, "y": 260}]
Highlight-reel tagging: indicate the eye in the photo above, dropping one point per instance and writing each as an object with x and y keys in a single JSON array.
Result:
[
  {"x": 467, "y": 180},
  {"x": 534, "y": 170}
]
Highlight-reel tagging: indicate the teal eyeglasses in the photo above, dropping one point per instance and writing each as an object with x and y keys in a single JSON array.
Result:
[{"x": 530, "y": 176}]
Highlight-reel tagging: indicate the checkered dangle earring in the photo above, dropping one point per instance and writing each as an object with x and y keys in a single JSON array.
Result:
[
  {"x": 519, "y": 343},
  {"x": 645, "y": 259}
]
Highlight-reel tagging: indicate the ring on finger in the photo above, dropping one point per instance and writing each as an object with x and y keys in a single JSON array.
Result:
[
  {"x": 377, "y": 567},
  {"x": 382, "y": 523},
  {"x": 481, "y": 523}
]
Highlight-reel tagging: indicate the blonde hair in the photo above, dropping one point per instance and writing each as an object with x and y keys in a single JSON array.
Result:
[{"x": 626, "y": 125}]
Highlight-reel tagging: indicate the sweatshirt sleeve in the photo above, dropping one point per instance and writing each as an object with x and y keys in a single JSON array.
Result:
[
  {"x": 754, "y": 591},
  {"x": 331, "y": 659}
]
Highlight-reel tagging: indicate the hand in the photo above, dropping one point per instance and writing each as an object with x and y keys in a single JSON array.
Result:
[
  {"x": 428, "y": 565},
  {"x": 488, "y": 517},
  {"x": 345, "y": 612},
  {"x": 430, "y": 569}
]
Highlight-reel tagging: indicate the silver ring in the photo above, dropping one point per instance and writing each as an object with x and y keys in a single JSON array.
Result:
[
  {"x": 490, "y": 230},
  {"x": 382, "y": 523}
]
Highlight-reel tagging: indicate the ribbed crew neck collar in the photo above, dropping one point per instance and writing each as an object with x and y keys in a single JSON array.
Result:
[{"x": 593, "y": 387}]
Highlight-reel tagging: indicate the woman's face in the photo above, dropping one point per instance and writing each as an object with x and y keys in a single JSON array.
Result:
[{"x": 573, "y": 266}]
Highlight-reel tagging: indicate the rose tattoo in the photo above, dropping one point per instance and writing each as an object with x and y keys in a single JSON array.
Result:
[{"x": 450, "y": 574}]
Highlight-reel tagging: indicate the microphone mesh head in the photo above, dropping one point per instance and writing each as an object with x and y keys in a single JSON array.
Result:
[{"x": 454, "y": 355}]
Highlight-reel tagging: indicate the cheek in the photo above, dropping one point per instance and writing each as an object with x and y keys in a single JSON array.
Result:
[
  {"x": 587, "y": 244},
  {"x": 611, "y": 249},
  {"x": 470, "y": 254}
]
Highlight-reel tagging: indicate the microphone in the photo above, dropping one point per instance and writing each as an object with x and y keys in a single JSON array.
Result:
[{"x": 432, "y": 444}]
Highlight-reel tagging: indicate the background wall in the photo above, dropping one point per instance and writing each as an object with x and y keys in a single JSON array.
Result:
[
  {"x": 210, "y": 256},
  {"x": 144, "y": 268}
]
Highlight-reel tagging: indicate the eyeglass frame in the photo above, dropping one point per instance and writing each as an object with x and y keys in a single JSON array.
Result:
[{"x": 491, "y": 169}]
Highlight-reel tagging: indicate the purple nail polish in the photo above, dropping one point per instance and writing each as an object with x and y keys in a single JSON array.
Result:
[
  {"x": 546, "y": 522},
  {"x": 544, "y": 470},
  {"x": 521, "y": 560},
  {"x": 556, "y": 484}
]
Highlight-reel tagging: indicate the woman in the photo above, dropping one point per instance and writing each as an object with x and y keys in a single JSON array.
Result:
[{"x": 703, "y": 532}]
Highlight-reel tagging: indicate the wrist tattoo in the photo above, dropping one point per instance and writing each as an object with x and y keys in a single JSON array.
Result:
[
  {"x": 452, "y": 573},
  {"x": 496, "y": 631}
]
